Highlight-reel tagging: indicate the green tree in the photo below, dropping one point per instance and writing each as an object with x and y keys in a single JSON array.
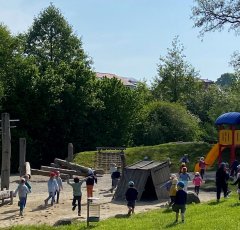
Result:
[
  {"x": 176, "y": 78},
  {"x": 116, "y": 117},
  {"x": 226, "y": 80},
  {"x": 51, "y": 40},
  {"x": 168, "y": 122}
]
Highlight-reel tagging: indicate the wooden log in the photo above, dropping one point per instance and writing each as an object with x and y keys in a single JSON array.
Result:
[
  {"x": 70, "y": 165},
  {"x": 65, "y": 171},
  {"x": 46, "y": 173},
  {"x": 6, "y": 194},
  {"x": 22, "y": 156},
  {"x": 70, "y": 152},
  {"x": 54, "y": 165},
  {"x": 6, "y": 151},
  {"x": 27, "y": 169}
]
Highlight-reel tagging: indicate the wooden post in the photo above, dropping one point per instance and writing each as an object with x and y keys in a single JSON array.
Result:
[
  {"x": 22, "y": 155},
  {"x": 70, "y": 152},
  {"x": 6, "y": 151}
]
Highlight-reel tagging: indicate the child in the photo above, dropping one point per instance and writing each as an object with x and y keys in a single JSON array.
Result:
[
  {"x": 184, "y": 177},
  {"x": 60, "y": 186},
  {"x": 173, "y": 190},
  {"x": 238, "y": 183},
  {"x": 22, "y": 191},
  {"x": 90, "y": 181},
  {"x": 27, "y": 183},
  {"x": 180, "y": 201},
  {"x": 77, "y": 193},
  {"x": 52, "y": 188},
  {"x": 131, "y": 197},
  {"x": 202, "y": 166},
  {"x": 181, "y": 167},
  {"x": 116, "y": 175},
  {"x": 197, "y": 181}
]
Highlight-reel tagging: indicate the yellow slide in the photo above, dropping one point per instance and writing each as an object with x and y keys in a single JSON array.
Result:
[{"x": 210, "y": 158}]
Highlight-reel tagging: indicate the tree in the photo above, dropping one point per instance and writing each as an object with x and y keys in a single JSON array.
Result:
[
  {"x": 226, "y": 80},
  {"x": 115, "y": 119},
  {"x": 51, "y": 40},
  {"x": 176, "y": 77},
  {"x": 166, "y": 122},
  {"x": 212, "y": 15}
]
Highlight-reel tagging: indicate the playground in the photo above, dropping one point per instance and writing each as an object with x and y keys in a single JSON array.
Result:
[{"x": 36, "y": 213}]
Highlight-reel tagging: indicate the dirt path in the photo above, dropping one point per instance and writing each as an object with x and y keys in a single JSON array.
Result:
[{"x": 36, "y": 213}]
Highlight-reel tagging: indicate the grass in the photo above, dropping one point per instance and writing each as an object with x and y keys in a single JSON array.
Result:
[
  {"x": 205, "y": 216},
  {"x": 162, "y": 152}
]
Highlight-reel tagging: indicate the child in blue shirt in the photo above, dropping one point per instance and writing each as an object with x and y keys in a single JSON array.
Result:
[{"x": 131, "y": 197}]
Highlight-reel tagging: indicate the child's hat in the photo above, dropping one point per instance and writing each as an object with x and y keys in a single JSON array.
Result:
[
  {"x": 180, "y": 184},
  {"x": 23, "y": 179},
  {"x": 172, "y": 176},
  {"x": 201, "y": 158},
  {"x": 197, "y": 173},
  {"x": 130, "y": 183},
  {"x": 52, "y": 174},
  {"x": 175, "y": 181}
]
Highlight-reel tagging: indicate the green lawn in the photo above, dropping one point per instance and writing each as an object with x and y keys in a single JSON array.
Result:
[{"x": 209, "y": 216}]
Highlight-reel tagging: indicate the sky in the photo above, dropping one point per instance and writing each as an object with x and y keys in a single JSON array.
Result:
[{"x": 127, "y": 37}]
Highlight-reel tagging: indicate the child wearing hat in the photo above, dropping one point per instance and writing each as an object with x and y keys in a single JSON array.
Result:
[
  {"x": 184, "y": 177},
  {"x": 60, "y": 185},
  {"x": 180, "y": 201},
  {"x": 22, "y": 191},
  {"x": 173, "y": 189},
  {"x": 131, "y": 197},
  {"x": 52, "y": 188},
  {"x": 197, "y": 181}
]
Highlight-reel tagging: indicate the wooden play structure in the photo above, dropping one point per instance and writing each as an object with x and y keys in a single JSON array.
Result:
[
  {"x": 105, "y": 156},
  {"x": 228, "y": 134},
  {"x": 148, "y": 177},
  {"x": 228, "y": 137}
]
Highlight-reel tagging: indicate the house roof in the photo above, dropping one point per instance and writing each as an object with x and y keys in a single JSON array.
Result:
[
  {"x": 131, "y": 82},
  {"x": 231, "y": 118}
]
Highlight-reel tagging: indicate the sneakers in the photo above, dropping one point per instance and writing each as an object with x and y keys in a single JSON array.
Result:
[
  {"x": 21, "y": 213},
  {"x": 74, "y": 207},
  {"x": 79, "y": 213},
  {"x": 182, "y": 221},
  {"x": 45, "y": 202}
]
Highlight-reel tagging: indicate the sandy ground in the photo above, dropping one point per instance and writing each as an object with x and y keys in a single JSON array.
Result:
[{"x": 36, "y": 212}]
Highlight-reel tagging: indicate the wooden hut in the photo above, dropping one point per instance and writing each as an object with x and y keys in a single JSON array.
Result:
[{"x": 148, "y": 177}]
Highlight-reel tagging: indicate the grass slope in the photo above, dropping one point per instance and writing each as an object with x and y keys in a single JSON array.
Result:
[{"x": 162, "y": 152}]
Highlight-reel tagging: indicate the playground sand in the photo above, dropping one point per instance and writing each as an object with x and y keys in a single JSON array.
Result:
[{"x": 36, "y": 213}]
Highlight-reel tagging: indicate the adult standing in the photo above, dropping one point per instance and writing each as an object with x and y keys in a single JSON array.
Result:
[{"x": 221, "y": 181}]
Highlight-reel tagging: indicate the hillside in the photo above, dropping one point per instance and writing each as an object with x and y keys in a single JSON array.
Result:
[{"x": 162, "y": 152}]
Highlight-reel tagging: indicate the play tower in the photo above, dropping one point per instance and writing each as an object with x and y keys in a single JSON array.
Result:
[{"x": 228, "y": 134}]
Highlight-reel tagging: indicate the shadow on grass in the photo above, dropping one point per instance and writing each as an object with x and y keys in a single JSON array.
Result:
[
  {"x": 119, "y": 216},
  {"x": 171, "y": 225},
  {"x": 213, "y": 203},
  {"x": 167, "y": 210},
  {"x": 235, "y": 205}
]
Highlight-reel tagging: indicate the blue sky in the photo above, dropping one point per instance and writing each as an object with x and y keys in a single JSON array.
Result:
[{"x": 127, "y": 37}]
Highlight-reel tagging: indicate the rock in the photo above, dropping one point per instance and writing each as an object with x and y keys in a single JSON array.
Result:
[
  {"x": 63, "y": 222},
  {"x": 192, "y": 198}
]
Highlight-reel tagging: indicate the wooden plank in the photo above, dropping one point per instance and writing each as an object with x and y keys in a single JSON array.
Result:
[{"x": 46, "y": 173}]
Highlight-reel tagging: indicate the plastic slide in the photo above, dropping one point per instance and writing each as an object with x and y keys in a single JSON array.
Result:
[{"x": 210, "y": 158}]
